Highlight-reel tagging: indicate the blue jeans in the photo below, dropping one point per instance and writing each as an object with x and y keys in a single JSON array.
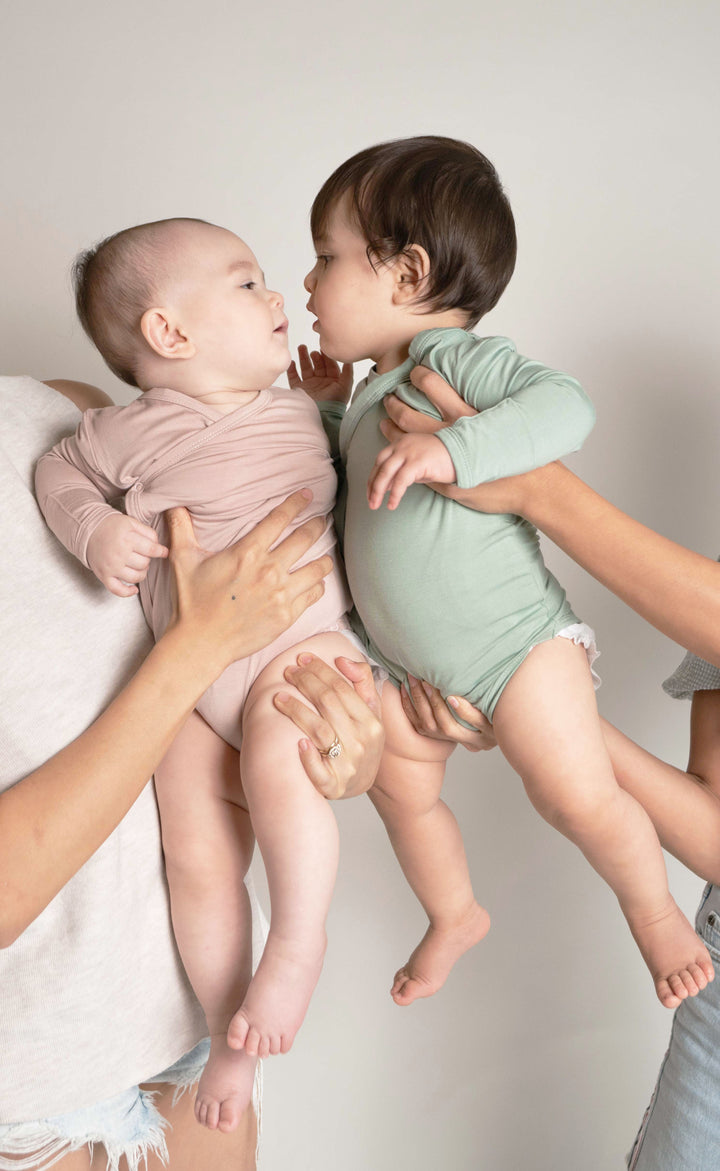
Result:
[
  {"x": 128, "y": 1125},
  {"x": 681, "y": 1127}
]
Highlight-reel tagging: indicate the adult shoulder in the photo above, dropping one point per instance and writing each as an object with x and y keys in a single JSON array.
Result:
[{"x": 82, "y": 394}]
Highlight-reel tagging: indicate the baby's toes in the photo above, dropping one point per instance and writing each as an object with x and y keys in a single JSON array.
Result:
[
  {"x": 213, "y": 1115},
  {"x": 238, "y": 1031},
  {"x": 697, "y": 974},
  {"x": 667, "y": 997},
  {"x": 252, "y": 1042},
  {"x": 677, "y": 985},
  {"x": 401, "y": 978},
  {"x": 229, "y": 1116}
]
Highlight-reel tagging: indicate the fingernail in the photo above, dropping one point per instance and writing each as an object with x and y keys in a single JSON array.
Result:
[
  {"x": 411, "y": 678},
  {"x": 304, "y": 745},
  {"x": 306, "y": 493},
  {"x": 427, "y": 689},
  {"x": 453, "y": 701},
  {"x": 282, "y": 696},
  {"x": 305, "y": 659}
]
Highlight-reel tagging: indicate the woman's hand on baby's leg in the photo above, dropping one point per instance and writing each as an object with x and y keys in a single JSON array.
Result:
[
  {"x": 348, "y": 709},
  {"x": 430, "y": 715}
]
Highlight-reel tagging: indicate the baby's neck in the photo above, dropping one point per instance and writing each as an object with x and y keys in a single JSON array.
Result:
[
  {"x": 223, "y": 400},
  {"x": 224, "y": 394},
  {"x": 399, "y": 352}
]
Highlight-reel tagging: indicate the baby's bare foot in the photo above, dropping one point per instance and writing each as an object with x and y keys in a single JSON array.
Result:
[
  {"x": 678, "y": 960},
  {"x": 226, "y": 1086},
  {"x": 433, "y": 959},
  {"x": 278, "y": 996}
]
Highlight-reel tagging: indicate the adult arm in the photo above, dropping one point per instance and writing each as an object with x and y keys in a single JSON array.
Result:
[
  {"x": 673, "y": 588},
  {"x": 526, "y": 414},
  {"x": 228, "y": 606},
  {"x": 684, "y": 807}
]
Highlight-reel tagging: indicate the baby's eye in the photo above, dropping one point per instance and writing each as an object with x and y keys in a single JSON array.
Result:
[
  {"x": 249, "y": 285},
  {"x": 324, "y": 260}
]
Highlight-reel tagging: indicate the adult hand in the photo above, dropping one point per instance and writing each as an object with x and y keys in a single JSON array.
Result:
[
  {"x": 347, "y": 709},
  {"x": 513, "y": 494},
  {"x": 238, "y": 601},
  {"x": 429, "y": 715}
]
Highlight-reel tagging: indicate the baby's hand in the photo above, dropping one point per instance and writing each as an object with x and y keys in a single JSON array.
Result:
[
  {"x": 119, "y": 553},
  {"x": 321, "y": 377},
  {"x": 412, "y": 459}
]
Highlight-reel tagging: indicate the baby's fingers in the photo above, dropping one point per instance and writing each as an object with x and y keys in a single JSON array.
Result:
[
  {"x": 137, "y": 561},
  {"x": 121, "y": 589},
  {"x": 292, "y": 376},
  {"x": 145, "y": 541},
  {"x": 306, "y": 366},
  {"x": 148, "y": 547}
]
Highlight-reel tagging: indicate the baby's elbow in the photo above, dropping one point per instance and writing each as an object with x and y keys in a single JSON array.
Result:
[{"x": 584, "y": 414}]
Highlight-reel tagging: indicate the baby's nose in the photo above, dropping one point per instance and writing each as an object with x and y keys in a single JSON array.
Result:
[{"x": 309, "y": 282}]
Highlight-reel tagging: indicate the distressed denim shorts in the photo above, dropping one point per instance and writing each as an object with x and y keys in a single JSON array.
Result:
[
  {"x": 681, "y": 1127},
  {"x": 128, "y": 1124}
]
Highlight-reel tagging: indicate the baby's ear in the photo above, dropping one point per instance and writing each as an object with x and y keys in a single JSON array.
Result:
[
  {"x": 165, "y": 334},
  {"x": 412, "y": 269}
]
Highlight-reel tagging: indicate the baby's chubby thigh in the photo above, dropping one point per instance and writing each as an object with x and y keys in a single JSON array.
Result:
[{"x": 412, "y": 768}]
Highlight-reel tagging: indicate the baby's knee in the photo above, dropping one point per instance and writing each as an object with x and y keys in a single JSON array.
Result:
[
  {"x": 192, "y": 861},
  {"x": 401, "y": 790},
  {"x": 577, "y": 811}
]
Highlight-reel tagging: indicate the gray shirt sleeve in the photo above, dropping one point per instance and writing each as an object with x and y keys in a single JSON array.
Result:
[{"x": 692, "y": 675}]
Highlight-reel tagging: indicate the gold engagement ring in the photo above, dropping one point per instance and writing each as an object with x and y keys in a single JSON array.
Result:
[{"x": 333, "y": 751}]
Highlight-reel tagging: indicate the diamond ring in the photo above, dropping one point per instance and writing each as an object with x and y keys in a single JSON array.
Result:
[{"x": 333, "y": 751}]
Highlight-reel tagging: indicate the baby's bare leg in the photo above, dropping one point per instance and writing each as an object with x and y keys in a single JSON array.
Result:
[
  {"x": 297, "y": 836},
  {"x": 547, "y": 726},
  {"x": 428, "y": 845},
  {"x": 208, "y": 844}
]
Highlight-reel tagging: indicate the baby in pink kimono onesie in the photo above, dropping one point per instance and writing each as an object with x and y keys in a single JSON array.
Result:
[{"x": 180, "y": 309}]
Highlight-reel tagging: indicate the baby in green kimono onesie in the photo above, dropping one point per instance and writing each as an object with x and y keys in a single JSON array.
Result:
[{"x": 415, "y": 242}]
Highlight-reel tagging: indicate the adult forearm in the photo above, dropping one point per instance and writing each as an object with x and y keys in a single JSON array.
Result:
[
  {"x": 54, "y": 819},
  {"x": 684, "y": 810},
  {"x": 676, "y": 590},
  {"x": 229, "y": 606}
]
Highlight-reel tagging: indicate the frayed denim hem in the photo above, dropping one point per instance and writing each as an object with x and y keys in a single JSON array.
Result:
[
  {"x": 36, "y": 1146},
  {"x": 128, "y": 1124}
]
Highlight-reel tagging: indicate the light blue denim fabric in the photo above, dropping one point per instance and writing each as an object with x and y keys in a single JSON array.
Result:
[
  {"x": 128, "y": 1124},
  {"x": 681, "y": 1127}
]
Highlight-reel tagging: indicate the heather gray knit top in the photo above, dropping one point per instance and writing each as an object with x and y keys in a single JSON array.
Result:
[{"x": 93, "y": 997}]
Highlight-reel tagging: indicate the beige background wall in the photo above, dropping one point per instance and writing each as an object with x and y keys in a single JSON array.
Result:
[{"x": 602, "y": 119}]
